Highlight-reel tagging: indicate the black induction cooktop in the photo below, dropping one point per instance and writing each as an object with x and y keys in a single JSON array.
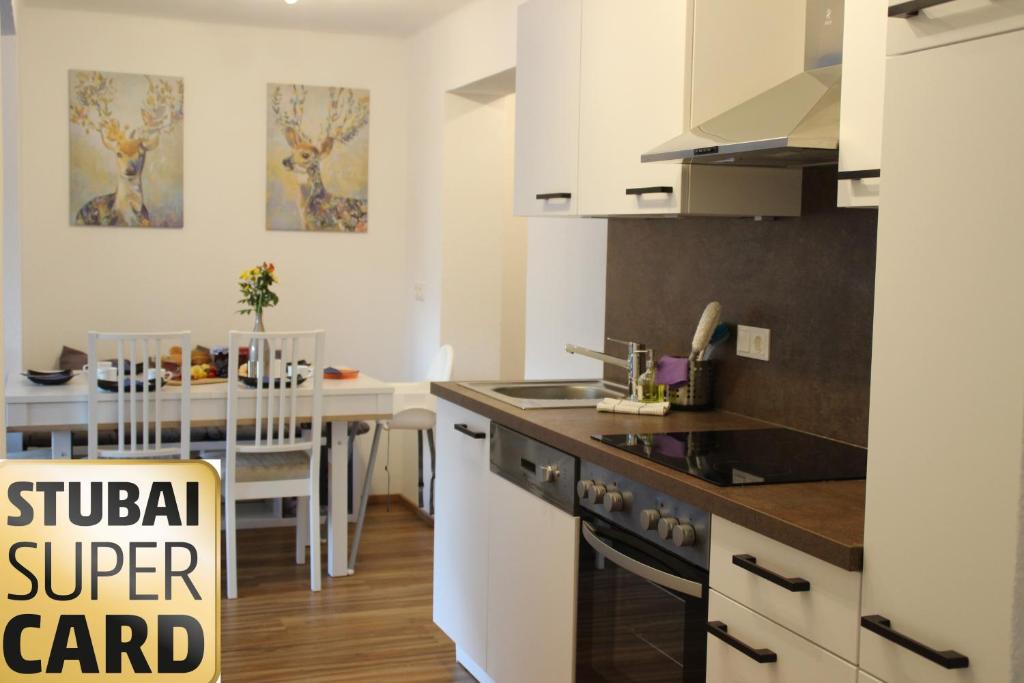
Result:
[{"x": 744, "y": 457}]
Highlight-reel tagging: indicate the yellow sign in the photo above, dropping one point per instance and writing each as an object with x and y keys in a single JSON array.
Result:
[{"x": 110, "y": 571}]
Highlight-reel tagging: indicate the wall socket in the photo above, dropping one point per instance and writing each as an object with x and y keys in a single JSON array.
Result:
[
  {"x": 753, "y": 342},
  {"x": 417, "y": 291}
]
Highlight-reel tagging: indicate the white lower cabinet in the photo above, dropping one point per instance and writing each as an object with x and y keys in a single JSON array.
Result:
[
  {"x": 531, "y": 597},
  {"x": 460, "y": 529},
  {"x": 809, "y": 596},
  {"x": 751, "y": 636}
]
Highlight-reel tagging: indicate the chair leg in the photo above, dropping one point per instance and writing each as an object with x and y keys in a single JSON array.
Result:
[
  {"x": 301, "y": 529},
  {"x": 433, "y": 467},
  {"x": 361, "y": 517},
  {"x": 314, "y": 534},
  {"x": 231, "y": 541},
  {"x": 419, "y": 464}
]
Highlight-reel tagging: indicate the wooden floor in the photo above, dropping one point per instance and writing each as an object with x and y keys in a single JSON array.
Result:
[{"x": 373, "y": 626}]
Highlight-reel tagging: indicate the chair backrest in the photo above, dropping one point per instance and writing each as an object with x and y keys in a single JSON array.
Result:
[
  {"x": 441, "y": 366},
  {"x": 277, "y": 404},
  {"x": 141, "y": 409}
]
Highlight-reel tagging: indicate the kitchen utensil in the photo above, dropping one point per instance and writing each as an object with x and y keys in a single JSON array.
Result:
[
  {"x": 722, "y": 333},
  {"x": 705, "y": 328}
]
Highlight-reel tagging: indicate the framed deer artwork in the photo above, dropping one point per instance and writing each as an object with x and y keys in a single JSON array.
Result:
[
  {"x": 318, "y": 142},
  {"x": 126, "y": 155}
]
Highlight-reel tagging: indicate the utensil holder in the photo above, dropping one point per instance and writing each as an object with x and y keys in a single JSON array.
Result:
[{"x": 696, "y": 394}]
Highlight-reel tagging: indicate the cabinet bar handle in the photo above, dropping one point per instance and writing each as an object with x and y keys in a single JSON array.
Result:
[
  {"x": 463, "y": 429},
  {"x": 659, "y": 189},
  {"x": 912, "y": 8},
  {"x": 793, "y": 585},
  {"x": 947, "y": 659},
  {"x": 555, "y": 195},
  {"x": 758, "y": 654},
  {"x": 860, "y": 175}
]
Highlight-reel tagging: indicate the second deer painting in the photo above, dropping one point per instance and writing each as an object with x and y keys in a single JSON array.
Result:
[{"x": 318, "y": 142}]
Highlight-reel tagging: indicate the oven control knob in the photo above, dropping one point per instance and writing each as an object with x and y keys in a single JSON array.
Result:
[
  {"x": 683, "y": 534},
  {"x": 665, "y": 526},
  {"x": 649, "y": 519},
  {"x": 613, "y": 501},
  {"x": 597, "y": 492},
  {"x": 583, "y": 487},
  {"x": 549, "y": 473}
]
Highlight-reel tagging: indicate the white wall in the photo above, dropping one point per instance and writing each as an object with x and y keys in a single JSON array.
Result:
[
  {"x": 473, "y": 43},
  {"x": 11, "y": 233},
  {"x": 77, "y": 278},
  {"x": 565, "y": 296},
  {"x": 483, "y": 244}
]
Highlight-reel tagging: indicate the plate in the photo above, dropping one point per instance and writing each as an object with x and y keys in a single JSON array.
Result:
[
  {"x": 49, "y": 377},
  {"x": 111, "y": 384},
  {"x": 251, "y": 382}
]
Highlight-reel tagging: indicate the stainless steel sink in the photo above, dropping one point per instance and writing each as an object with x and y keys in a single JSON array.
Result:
[{"x": 550, "y": 394}]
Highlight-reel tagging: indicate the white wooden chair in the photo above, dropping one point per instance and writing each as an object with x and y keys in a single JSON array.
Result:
[
  {"x": 277, "y": 463},
  {"x": 138, "y": 405}
]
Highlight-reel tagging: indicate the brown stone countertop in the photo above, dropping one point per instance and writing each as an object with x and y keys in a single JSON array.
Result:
[{"x": 823, "y": 519}]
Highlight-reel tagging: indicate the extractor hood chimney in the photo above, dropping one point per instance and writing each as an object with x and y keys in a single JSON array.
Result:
[{"x": 795, "y": 123}]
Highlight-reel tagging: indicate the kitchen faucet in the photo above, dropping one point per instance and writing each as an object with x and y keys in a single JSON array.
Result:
[{"x": 636, "y": 362}]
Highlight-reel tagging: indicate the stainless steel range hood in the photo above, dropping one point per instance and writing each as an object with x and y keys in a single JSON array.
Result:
[{"x": 795, "y": 123}]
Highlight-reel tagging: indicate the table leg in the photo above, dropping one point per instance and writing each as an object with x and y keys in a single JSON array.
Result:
[
  {"x": 60, "y": 445},
  {"x": 337, "y": 501}
]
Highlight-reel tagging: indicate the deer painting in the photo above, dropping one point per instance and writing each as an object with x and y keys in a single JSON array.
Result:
[
  {"x": 128, "y": 114},
  {"x": 329, "y": 168}
]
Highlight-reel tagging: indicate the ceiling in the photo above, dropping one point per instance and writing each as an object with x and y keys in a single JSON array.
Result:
[{"x": 375, "y": 17}]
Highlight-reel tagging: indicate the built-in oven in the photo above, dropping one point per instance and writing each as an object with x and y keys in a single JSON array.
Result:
[{"x": 642, "y": 592}]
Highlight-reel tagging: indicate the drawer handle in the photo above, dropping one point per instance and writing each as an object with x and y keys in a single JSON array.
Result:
[
  {"x": 947, "y": 659},
  {"x": 912, "y": 8},
  {"x": 758, "y": 654},
  {"x": 660, "y": 189},
  {"x": 860, "y": 175},
  {"x": 463, "y": 429},
  {"x": 555, "y": 195},
  {"x": 793, "y": 585}
]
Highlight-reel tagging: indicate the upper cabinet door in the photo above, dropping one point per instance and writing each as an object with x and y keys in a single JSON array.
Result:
[
  {"x": 948, "y": 21},
  {"x": 860, "y": 120},
  {"x": 634, "y": 94},
  {"x": 547, "y": 108}
]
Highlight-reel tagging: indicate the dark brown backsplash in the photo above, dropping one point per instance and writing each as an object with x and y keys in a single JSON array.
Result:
[{"x": 810, "y": 280}]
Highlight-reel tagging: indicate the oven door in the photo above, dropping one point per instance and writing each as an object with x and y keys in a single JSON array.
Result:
[{"x": 641, "y": 614}]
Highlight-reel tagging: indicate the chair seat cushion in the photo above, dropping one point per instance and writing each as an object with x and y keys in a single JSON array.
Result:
[
  {"x": 271, "y": 466},
  {"x": 413, "y": 418}
]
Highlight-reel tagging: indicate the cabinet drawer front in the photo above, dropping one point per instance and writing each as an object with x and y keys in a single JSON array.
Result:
[
  {"x": 797, "y": 659},
  {"x": 952, "y": 21},
  {"x": 827, "y": 612}
]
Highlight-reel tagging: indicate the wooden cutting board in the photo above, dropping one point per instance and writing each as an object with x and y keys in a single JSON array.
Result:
[{"x": 206, "y": 380}]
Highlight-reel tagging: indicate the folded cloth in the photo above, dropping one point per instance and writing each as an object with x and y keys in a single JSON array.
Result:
[
  {"x": 672, "y": 370},
  {"x": 621, "y": 405}
]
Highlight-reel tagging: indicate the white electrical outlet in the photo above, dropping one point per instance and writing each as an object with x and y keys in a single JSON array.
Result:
[
  {"x": 417, "y": 291},
  {"x": 753, "y": 342}
]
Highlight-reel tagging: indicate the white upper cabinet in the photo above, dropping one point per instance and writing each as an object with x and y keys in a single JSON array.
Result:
[
  {"x": 601, "y": 82},
  {"x": 860, "y": 121},
  {"x": 633, "y": 97},
  {"x": 943, "y": 22},
  {"x": 547, "y": 108}
]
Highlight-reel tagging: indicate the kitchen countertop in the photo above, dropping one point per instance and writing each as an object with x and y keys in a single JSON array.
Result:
[{"x": 822, "y": 519}]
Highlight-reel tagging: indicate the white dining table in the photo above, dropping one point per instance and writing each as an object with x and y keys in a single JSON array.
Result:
[{"x": 63, "y": 409}]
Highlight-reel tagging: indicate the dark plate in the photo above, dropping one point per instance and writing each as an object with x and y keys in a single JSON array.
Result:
[
  {"x": 49, "y": 378},
  {"x": 111, "y": 384},
  {"x": 251, "y": 382}
]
